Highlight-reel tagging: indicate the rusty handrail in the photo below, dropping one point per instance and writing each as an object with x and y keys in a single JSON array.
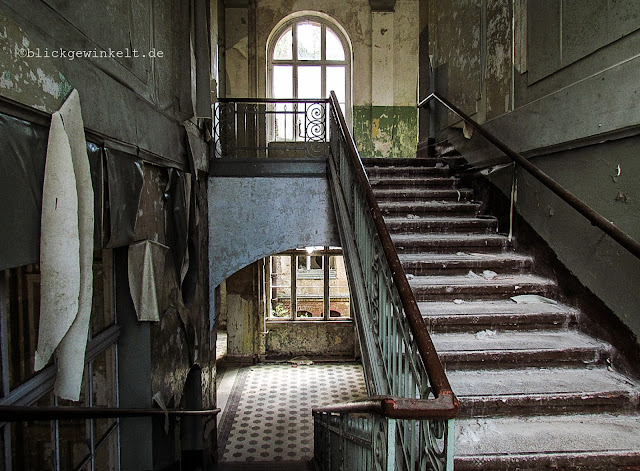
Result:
[
  {"x": 273, "y": 100},
  {"x": 595, "y": 218},
  {"x": 435, "y": 372},
  {"x": 394, "y": 407},
  {"x": 29, "y": 413}
]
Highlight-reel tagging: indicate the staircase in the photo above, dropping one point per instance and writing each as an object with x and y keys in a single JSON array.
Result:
[{"x": 535, "y": 393}]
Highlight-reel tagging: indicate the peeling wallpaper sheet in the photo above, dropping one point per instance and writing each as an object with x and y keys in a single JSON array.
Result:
[
  {"x": 66, "y": 250},
  {"x": 71, "y": 352},
  {"x": 146, "y": 275}
]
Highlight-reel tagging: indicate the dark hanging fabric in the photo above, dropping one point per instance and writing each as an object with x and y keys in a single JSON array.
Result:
[
  {"x": 22, "y": 158},
  {"x": 97, "y": 171},
  {"x": 190, "y": 281},
  {"x": 125, "y": 178},
  {"x": 176, "y": 218}
]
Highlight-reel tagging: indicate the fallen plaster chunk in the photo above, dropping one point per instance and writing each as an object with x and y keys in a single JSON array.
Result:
[
  {"x": 458, "y": 301},
  {"x": 486, "y": 334},
  {"x": 532, "y": 299},
  {"x": 412, "y": 216},
  {"x": 409, "y": 276},
  {"x": 146, "y": 272},
  {"x": 489, "y": 275},
  {"x": 473, "y": 275}
]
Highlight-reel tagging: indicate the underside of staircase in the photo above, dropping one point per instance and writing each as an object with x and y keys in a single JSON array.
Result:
[{"x": 535, "y": 393}]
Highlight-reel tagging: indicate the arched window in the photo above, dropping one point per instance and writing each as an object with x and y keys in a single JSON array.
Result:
[{"x": 308, "y": 56}]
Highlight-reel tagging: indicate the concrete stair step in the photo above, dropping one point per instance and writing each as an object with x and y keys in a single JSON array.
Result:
[
  {"x": 541, "y": 391},
  {"x": 504, "y": 349},
  {"x": 426, "y": 208},
  {"x": 461, "y": 262},
  {"x": 502, "y": 315},
  {"x": 449, "y": 243},
  {"x": 422, "y": 195},
  {"x": 576, "y": 442},
  {"x": 414, "y": 223},
  {"x": 415, "y": 182},
  {"x": 406, "y": 171},
  {"x": 408, "y": 162},
  {"x": 473, "y": 286}
]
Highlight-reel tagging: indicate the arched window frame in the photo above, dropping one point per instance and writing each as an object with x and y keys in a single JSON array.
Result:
[{"x": 326, "y": 23}]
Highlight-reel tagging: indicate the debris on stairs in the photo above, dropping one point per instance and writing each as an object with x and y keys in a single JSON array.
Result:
[{"x": 535, "y": 393}]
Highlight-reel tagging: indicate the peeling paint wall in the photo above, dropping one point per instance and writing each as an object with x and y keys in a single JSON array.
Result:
[
  {"x": 136, "y": 104},
  {"x": 312, "y": 339}
]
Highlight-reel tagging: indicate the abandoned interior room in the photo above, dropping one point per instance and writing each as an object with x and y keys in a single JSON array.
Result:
[{"x": 319, "y": 235}]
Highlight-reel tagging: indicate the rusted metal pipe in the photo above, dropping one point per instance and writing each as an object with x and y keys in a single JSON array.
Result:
[
  {"x": 392, "y": 407},
  {"x": 595, "y": 218},
  {"x": 32, "y": 413}
]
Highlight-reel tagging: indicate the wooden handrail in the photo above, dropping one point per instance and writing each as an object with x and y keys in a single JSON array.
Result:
[
  {"x": 595, "y": 218},
  {"x": 437, "y": 378}
]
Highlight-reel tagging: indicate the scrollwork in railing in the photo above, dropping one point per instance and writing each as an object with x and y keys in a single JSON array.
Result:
[{"x": 278, "y": 128}]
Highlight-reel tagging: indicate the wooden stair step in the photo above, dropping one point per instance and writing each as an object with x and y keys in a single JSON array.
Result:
[
  {"x": 441, "y": 224},
  {"x": 504, "y": 349},
  {"x": 576, "y": 442},
  {"x": 474, "y": 316},
  {"x": 537, "y": 391},
  {"x": 429, "y": 263}
]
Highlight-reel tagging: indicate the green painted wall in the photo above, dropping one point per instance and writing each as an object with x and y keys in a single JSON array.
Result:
[{"x": 385, "y": 131}]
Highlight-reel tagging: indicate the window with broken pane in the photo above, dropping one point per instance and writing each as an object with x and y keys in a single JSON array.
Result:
[{"x": 317, "y": 288}]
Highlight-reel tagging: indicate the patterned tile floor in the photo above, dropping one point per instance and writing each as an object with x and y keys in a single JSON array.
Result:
[{"x": 268, "y": 414}]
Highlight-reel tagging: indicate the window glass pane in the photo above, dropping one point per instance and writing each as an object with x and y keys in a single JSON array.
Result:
[
  {"x": 106, "y": 456},
  {"x": 309, "y": 41},
  {"x": 32, "y": 442},
  {"x": 335, "y": 51},
  {"x": 310, "y": 289},
  {"x": 310, "y": 81},
  {"x": 283, "y": 88},
  {"x": 282, "y": 81},
  {"x": 280, "y": 296},
  {"x": 102, "y": 313},
  {"x": 103, "y": 387},
  {"x": 338, "y": 288},
  {"x": 23, "y": 308},
  {"x": 284, "y": 46},
  {"x": 75, "y": 435},
  {"x": 336, "y": 81}
]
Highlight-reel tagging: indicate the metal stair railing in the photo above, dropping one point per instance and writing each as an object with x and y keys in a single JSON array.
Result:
[{"x": 407, "y": 422}]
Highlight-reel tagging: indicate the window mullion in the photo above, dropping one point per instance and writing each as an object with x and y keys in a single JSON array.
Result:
[
  {"x": 325, "y": 267},
  {"x": 294, "y": 56},
  {"x": 294, "y": 294}
]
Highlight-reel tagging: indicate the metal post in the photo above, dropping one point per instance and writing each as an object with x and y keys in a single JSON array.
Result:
[{"x": 391, "y": 444}]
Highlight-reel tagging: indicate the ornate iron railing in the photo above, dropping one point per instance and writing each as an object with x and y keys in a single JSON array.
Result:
[
  {"x": 399, "y": 358},
  {"x": 247, "y": 128}
]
